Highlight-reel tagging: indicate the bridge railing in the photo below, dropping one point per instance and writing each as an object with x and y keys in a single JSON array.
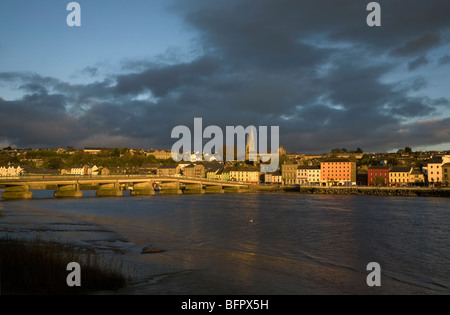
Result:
[{"x": 121, "y": 176}]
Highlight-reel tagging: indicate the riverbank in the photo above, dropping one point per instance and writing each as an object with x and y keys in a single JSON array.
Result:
[
  {"x": 370, "y": 191},
  {"x": 40, "y": 267}
]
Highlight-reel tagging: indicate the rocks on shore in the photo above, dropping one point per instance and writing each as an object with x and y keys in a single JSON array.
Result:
[{"x": 422, "y": 192}]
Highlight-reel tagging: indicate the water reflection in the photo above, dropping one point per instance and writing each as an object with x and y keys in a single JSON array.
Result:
[{"x": 257, "y": 243}]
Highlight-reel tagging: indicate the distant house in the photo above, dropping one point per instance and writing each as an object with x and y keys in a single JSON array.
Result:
[
  {"x": 223, "y": 174},
  {"x": 308, "y": 175},
  {"x": 160, "y": 154},
  {"x": 434, "y": 169},
  {"x": 214, "y": 172},
  {"x": 446, "y": 174},
  {"x": 277, "y": 178},
  {"x": 194, "y": 170},
  {"x": 248, "y": 174},
  {"x": 362, "y": 177},
  {"x": 11, "y": 171},
  {"x": 400, "y": 175},
  {"x": 378, "y": 175},
  {"x": 148, "y": 168},
  {"x": 92, "y": 150},
  {"x": 84, "y": 170},
  {"x": 416, "y": 177},
  {"x": 338, "y": 171},
  {"x": 168, "y": 170},
  {"x": 273, "y": 178},
  {"x": 289, "y": 173}
]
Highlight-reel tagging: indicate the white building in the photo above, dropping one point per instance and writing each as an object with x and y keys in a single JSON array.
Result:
[
  {"x": 84, "y": 170},
  {"x": 11, "y": 171},
  {"x": 308, "y": 175},
  {"x": 434, "y": 168}
]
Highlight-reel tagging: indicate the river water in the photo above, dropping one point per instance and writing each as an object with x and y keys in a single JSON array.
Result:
[{"x": 253, "y": 243}]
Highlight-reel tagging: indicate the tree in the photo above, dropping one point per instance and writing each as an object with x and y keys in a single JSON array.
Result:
[
  {"x": 380, "y": 181},
  {"x": 336, "y": 151},
  {"x": 392, "y": 161},
  {"x": 54, "y": 163},
  {"x": 408, "y": 150},
  {"x": 359, "y": 150}
]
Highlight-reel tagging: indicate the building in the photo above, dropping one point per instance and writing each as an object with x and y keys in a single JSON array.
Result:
[
  {"x": 160, "y": 154},
  {"x": 361, "y": 177},
  {"x": 168, "y": 170},
  {"x": 338, "y": 171},
  {"x": 308, "y": 175},
  {"x": 273, "y": 177},
  {"x": 92, "y": 150},
  {"x": 84, "y": 170},
  {"x": 223, "y": 174},
  {"x": 214, "y": 173},
  {"x": 197, "y": 170},
  {"x": 248, "y": 174},
  {"x": 446, "y": 174},
  {"x": 277, "y": 177},
  {"x": 79, "y": 170},
  {"x": 416, "y": 177},
  {"x": 434, "y": 170},
  {"x": 378, "y": 176},
  {"x": 11, "y": 171},
  {"x": 289, "y": 173},
  {"x": 400, "y": 175}
]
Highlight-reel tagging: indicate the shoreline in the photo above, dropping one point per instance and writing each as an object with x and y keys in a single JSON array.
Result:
[{"x": 360, "y": 191}]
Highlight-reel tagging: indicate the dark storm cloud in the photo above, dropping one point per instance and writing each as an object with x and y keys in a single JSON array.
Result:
[
  {"x": 162, "y": 80},
  {"x": 418, "y": 45},
  {"x": 314, "y": 68},
  {"x": 417, "y": 62}
]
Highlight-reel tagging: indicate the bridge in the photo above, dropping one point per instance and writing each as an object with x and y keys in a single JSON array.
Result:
[{"x": 138, "y": 185}]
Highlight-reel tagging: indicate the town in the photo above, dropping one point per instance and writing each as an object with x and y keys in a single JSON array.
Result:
[{"x": 339, "y": 167}]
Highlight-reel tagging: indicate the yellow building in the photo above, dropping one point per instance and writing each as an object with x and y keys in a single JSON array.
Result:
[
  {"x": 400, "y": 175},
  {"x": 248, "y": 174},
  {"x": 416, "y": 177}
]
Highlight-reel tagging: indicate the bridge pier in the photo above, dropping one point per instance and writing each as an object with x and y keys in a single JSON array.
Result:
[
  {"x": 194, "y": 189},
  {"x": 68, "y": 191},
  {"x": 143, "y": 189},
  {"x": 170, "y": 188},
  {"x": 109, "y": 190},
  {"x": 17, "y": 192},
  {"x": 214, "y": 189}
]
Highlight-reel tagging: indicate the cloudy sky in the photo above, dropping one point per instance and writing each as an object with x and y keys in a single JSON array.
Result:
[{"x": 136, "y": 69}]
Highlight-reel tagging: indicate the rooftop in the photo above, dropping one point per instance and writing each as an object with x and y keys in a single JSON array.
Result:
[
  {"x": 400, "y": 169},
  {"x": 308, "y": 167},
  {"x": 336, "y": 160}
]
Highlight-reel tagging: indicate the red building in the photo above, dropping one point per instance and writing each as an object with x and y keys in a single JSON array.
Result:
[{"x": 378, "y": 175}]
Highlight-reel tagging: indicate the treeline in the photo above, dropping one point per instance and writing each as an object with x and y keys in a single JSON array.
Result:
[{"x": 110, "y": 158}]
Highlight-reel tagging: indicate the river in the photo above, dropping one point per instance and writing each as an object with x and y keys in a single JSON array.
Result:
[{"x": 277, "y": 244}]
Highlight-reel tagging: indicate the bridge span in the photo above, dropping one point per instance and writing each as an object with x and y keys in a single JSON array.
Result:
[{"x": 138, "y": 185}]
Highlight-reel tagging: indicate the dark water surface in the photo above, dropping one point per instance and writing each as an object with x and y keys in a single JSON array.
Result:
[{"x": 254, "y": 243}]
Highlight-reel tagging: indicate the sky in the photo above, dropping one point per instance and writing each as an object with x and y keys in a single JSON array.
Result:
[{"x": 134, "y": 70}]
